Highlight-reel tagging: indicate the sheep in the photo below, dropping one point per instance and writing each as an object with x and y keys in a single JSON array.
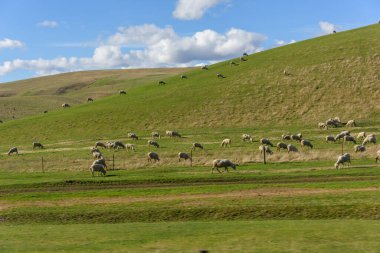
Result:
[
  {"x": 226, "y": 142},
  {"x": 156, "y": 135},
  {"x": 90, "y": 100},
  {"x": 342, "y": 134},
  {"x": 333, "y": 122},
  {"x": 98, "y": 168},
  {"x": 242, "y": 58},
  {"x": 286, "y": 137},
  {"x": 133, "y": 136},
  {"x": 204, "y": 67},
  {"x": 265, "y": 141},
  {"x": 37, "y": 145},
  {"x": 65, "y": 105},
  {"x": 247, "y": 137},
  {"x": 286, "y": 73},
  {"x": 351, "y": 123},
  {"x": 197, "y": 145},
  {"x": 369, "y": 139},
  {"x": 281, "y": 145},
  {"x": 377, "y": 156},
  {"x": 322, "y": 125},
  {"x": 296, "y": 137},
  {"x": 13, "y": 150},
  {"x": 153, "y": 143},
  {"x": 119, "y": 145},
  {"x": 45, "y": 111},
  {"x": 100, "y": 144},
  {"x": 232, "y": 63},
  {"x": 306, "y": 143},
  {"x": 330, "y": 138},
  {"x": 359, "y": 148},
  {"x": 173, "y": 134},
  {"x": 183, "y": 77},
  {"x": 161, "y": 83},
  {"x": 345, "y": 158},
  {"x": 130, "y": 146},
  {"x": 153, "y": 156},
  {"x": 95, "y": 149},
  {"x": 245, "y": 54},
  {"x": 222, "y": 163},
  {"x": 220, "y": 75},
  {"x": 110, "y": 145},
  {"x": 122, "y": 92},
  {"x": 350, "y": 138},
  {"x": 292, "y": 148},
  {"x": 101, "y": 161},
  {"x": 185, "y": 156},
  {"x": 97, "y": 155},
  {"x": 265, "y": 148},
  {"x": 361, "y": 135}
]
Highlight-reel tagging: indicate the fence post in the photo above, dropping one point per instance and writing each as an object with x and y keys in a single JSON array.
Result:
[
  {"x": 191, "y": 158},
  {"x": 113, "y": 161},
  {"x": 42, "y": 163},
  {"x": 264, "y": 154}
]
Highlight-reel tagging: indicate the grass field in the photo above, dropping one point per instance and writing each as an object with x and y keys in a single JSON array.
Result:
[{"x": 296, "y": 202}]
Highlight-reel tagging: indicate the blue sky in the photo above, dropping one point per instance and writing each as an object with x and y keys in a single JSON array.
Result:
[{"x": 47, "y": 37}]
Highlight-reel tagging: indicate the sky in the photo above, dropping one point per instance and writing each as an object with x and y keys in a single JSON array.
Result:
[{"x": 44, "y": 37}]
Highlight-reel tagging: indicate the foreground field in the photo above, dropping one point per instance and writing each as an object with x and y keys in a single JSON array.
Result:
[{"x": 221, "y": 236}]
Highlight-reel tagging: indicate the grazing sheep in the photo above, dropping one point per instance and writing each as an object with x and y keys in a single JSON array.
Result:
[
  {"x": 130, "y": 146},
  {"x": 359, "y": 148},
  {"x": 292, "y": 148},
  {"x": 226, "y": 142},
  {"x": 330, "y": 138},
  {"x": 232, "y": 63},
  {"x": 361, "y": 135},
  {"x": 369, "y": 139},
  {"x": 95, "y": 149},
  {"x": 265, "y": 141},
  {"x": 100, "y": 144},
  {"x": 245, "y": 54},
  {"x": 247, "y": 137},
  {"x": 242, "y": 58},
  {"x": 101, "y": 161},
  {"x": 156, "y": 135},
  {"x": 153, "y": 156},
  {"x": 185, "y": 156},
  {"x": 342, "y": 134},
  {"x": 281, "y": 145},
  {"x": 133, "y": 136},
  {"x": 296, "y": 137},
  {"x": 222, "y": 163},
  {"x": 183, "y": 77},
  {"x": 220, "y": 75},
  {"x": 173, "y": 134},
  {"x": 333, "y": 122},
  {"x": 13, "y": 150},
  {"x": 97, "y": 155},
  {"x": 322, "y": 125},
  {"x": 161, "y": 83},
  {"x": 122, "y": 92},
  {"x": 153, "y": 143},
  {"x": 99, "y": 168},
  {"x": 119, "y": 145},
  {"x": 205, "y": 67},
  {"x": 65, "y": 105},
  {"x": 351, "y": 123},
  {"x": 377, "y": 156},
  {"x": 342, "y": 159},
  {"x": 90, "y": 100},
  {"x": 111, "y": 145},
  {"x": 306, "y": 143},
  {"x": 37, "y": 145},
  {"x": 45, "y": 111},
  {"x": 285, "y": 72},
  {"x": 286, "y": 137},
  {"x": 197, "y": 145},
  {"x": 265, "y": 148},
  {"x": 350, "y": 138}
]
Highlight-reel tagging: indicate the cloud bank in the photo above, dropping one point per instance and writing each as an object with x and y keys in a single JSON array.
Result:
[
  {"x": 193, "y": 9},
  {"x": 9, "y": 43}
]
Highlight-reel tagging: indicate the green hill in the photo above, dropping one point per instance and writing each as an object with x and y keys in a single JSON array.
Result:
[{"x": 333, "y": 75}]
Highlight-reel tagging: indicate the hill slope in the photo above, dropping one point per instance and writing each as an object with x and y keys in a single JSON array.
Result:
[{"x": 333, "y": 75}]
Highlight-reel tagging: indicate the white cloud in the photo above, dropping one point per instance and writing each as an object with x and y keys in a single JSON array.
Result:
[
  {"x": 9, "y": 43},
  {"x": 327, "y": 28},
  {"x": 283, "y": 43},
  {"x": 160, "y": 47},
  {"x": 48, "y": 24},
  {"x": 193, "y": 9}
]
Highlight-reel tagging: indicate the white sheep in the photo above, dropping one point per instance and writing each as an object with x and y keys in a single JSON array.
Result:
[
  {"x": 101, "y": 161},
  {"x": 306, "y": 143},
  {"x": 247, "y": 137},
  {"x": 286, "y": 137},
  {"x": 156, "y": 135},
  {"x": 342, "y": 159},
  {"x": 222, "y": 163},
  {"x": 296, "y": 137},
  {"x": 322, "y": 125},
  {"x": 197, "y": 145},
  {"x": 153, "y": 143},
  {"x": 218, "y": 75},
  {"x": 232, "y": 63},
  {"x": 183, "y": 77},
  {"x": 266, "y": 141},
  {"x": 265, "y": 148},
  {"x": 350, "y": 138},
  {"x": 133, "y": 136},
  {"x": 226, "y": 142},
  {"x": 37, "y": 145},
  {"x": 65, "y": 105},
  {"x": 361, "y": 135},
  {"x": 12, "y": 151},
  {"x": 281, "y": 145},
  {"x": 173, "y": 134},
  {"x": 292, "y": 148},
  {"x": 330, "y": 138},
  {"x": 185, "y": 156},
  {"x": 153, "y": 156},
  {"x": 351, "y": 123},
  {"x": 359, "y": 148},
  {"x": 130, "y": 146},
  {"x": 99, "y": 168},
  {"x": 97, "y": 155},
  {"x": 342, "y": 134},
  {"x": 369, "y": 139},
  {"x": 333, "y": 122}
]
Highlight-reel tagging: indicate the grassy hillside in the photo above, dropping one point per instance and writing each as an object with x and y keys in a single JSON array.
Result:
[
  {"x": 333, "y": 75},
  {"x": 29, "y": 97}
]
